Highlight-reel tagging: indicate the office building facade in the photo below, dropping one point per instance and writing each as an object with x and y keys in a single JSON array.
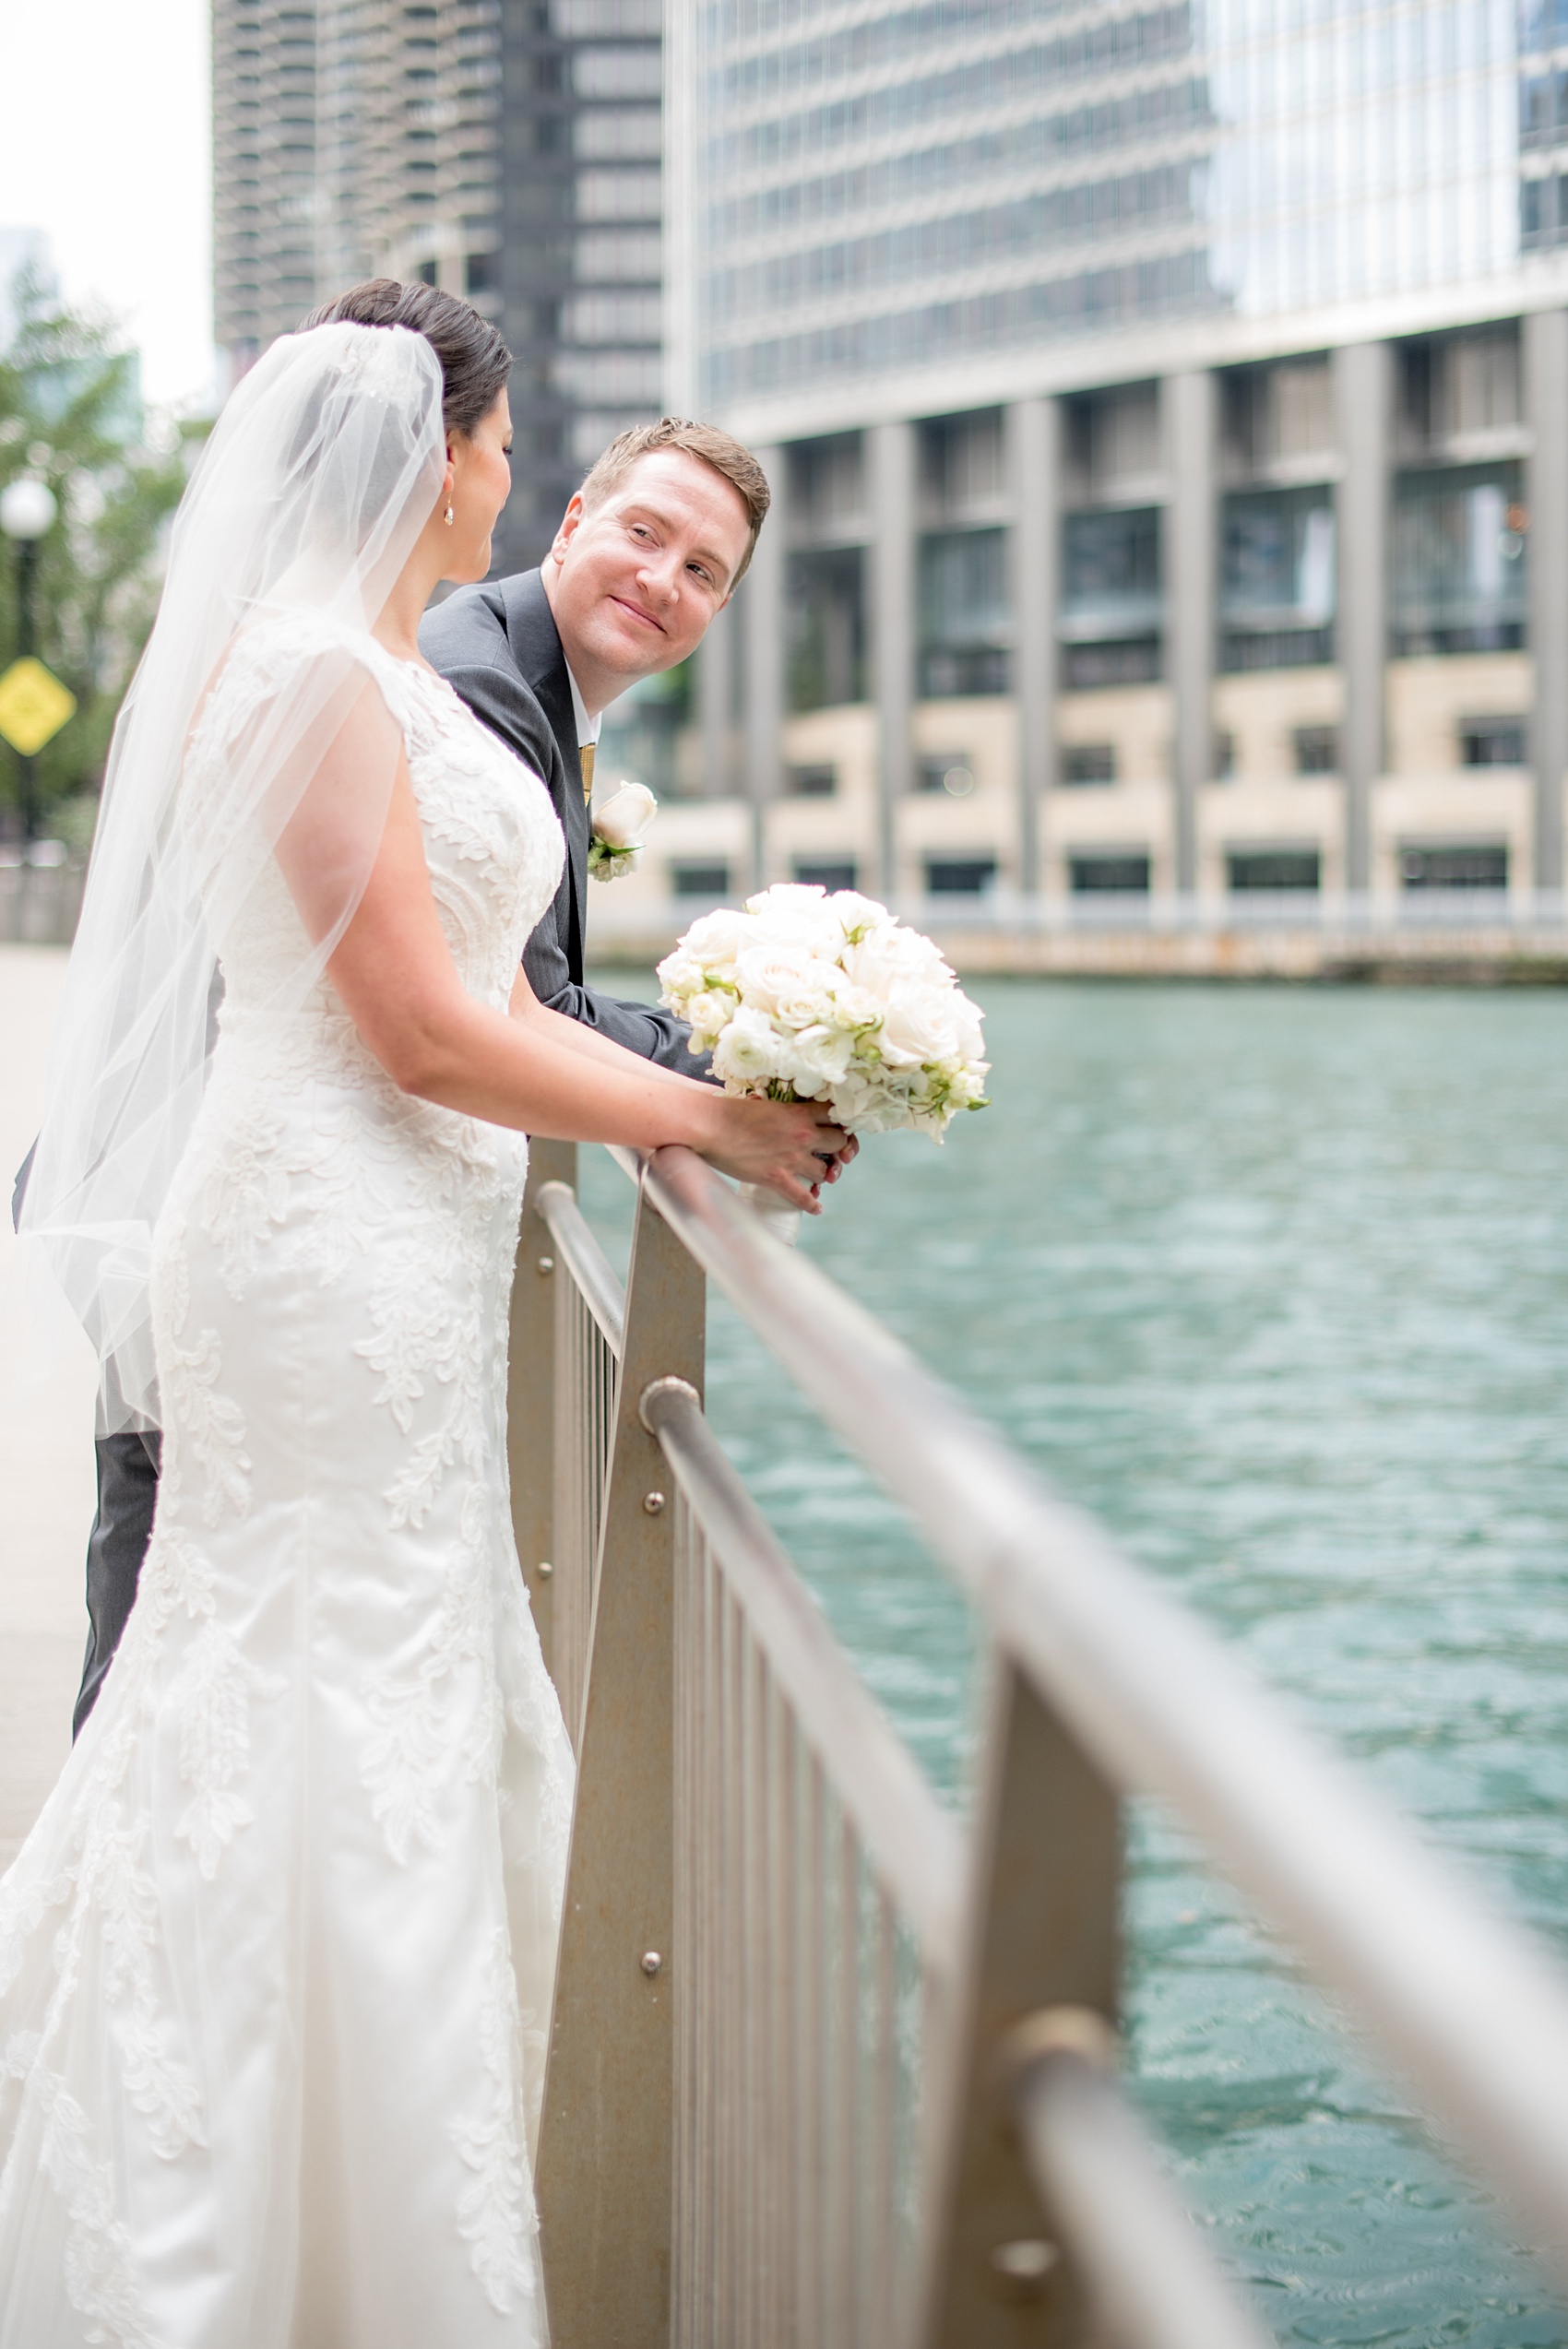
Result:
[
  {"x": 508, "y": 151},
  {"x": 1168, "y": 412}
]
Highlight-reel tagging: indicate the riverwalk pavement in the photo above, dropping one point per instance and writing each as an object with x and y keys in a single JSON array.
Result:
[{"x": 46, "y": 1463}]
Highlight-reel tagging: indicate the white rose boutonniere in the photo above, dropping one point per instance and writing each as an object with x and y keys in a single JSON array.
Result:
[{"x": 617, "y": 830}]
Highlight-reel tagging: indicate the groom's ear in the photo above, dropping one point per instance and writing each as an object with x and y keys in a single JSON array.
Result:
[{"x": 568, "y": 529}]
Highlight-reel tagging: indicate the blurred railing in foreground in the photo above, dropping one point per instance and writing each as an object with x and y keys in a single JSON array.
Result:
[{"x": 827, "y": 2069}]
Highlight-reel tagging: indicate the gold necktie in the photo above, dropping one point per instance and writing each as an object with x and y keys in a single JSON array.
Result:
[{"x": 585, "y": 759}]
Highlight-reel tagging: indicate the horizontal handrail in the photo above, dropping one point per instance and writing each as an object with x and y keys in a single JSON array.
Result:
[
  {"x": 1148, "y": 2274},
  {"x": 1472, "y": 2006},
  {"x": 914, "y": 1845},
  {"x": 586, "y": 1260}
]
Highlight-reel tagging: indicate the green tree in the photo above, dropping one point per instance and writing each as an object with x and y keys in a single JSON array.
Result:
[{"x": 70, "y": 414}]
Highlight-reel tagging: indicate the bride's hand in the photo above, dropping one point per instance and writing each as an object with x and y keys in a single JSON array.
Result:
[{"x": 790, "y": 1146}]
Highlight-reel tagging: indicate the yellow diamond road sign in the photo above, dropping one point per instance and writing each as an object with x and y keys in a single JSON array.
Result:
[{"x": 33, "y": 705}]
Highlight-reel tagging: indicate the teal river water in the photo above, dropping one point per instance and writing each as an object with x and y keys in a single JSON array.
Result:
[{"x": 1277, "y": 1282}]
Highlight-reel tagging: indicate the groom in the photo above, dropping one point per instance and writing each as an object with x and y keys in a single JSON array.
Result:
[{"x": 648, "y": 551}]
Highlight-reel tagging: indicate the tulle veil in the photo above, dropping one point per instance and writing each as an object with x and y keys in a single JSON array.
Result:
[{"x": 304, "y": 506}]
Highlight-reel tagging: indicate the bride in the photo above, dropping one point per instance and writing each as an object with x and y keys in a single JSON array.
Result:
[{"x": 276, "y": 1962}]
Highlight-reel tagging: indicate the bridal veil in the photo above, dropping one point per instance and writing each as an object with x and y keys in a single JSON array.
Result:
[{"x": 308, "y": 498}]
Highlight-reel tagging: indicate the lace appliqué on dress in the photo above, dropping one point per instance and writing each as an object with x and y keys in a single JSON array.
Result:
[{"x": 496, "y": 2212}]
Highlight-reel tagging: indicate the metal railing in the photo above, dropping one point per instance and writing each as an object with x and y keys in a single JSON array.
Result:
[{"x": 825, "y": 2067}]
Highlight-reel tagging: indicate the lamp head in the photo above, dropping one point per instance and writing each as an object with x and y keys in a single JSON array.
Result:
[{"x": 27, "y": 508}]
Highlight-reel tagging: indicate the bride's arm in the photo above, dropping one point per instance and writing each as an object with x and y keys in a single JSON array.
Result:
[{"x": 399, "y": 985}]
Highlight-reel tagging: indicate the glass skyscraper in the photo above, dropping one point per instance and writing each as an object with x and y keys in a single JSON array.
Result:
[{"x": 1168, "y": 412}]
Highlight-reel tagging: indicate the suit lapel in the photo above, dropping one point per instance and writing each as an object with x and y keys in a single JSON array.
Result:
[{"x": 536, "y": 648}]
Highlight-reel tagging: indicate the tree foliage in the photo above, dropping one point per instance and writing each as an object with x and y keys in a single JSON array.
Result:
[{"x": 71, "y": 415}]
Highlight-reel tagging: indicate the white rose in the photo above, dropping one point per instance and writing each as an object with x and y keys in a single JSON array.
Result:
[
  {"x": 748, "y": 1054},
  {"x": 967, "y": 1018},
  {"x": 680, "y": 974},
  {"x": 794, "y": 913},
  {"x": 819, "y": 1060},
  {"x": 854, "y": 1007},
  {"x": 811, "y": 1000},
  {"x": 716, "y": 939},
  {"x": 709, "y": 1011},
  {"x": 885, "y": 958},
  {"x": 764, "y": 974},
  {"x": 856, "y": 915},
  {"x": 624, "y": 818},
  {"x": 919, "y": 1027}
]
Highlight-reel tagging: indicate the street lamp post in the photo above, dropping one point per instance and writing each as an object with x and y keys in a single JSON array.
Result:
[{"x": 27, "y": 512}]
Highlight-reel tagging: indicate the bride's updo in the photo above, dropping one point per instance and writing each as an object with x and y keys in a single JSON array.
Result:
[{"x": 475, "y": 362}]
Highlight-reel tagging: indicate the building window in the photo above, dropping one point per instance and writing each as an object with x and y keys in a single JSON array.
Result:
[
  {"x": 1458, "y": 561},
  {"x": 812, "y": 782},
  {"x": 709, "y": 880},
  {"x": 1085, "y": 762},
  {"x": 1117, "y": 874},
  {"x": 965, "y": 613},
  {"x": 827, "y": 872},
  {"x": 1086, "y": 668},
  {"x": 1454, "y": 865},
  {"x": 1293, "y": 868},
  {"x": 1543, "y": 212},
  {"x": 1316, "y": 749},
  {"x": 1223, "y": 755},
  {"x": 959, "y": 876},
  {"x": 482, "y": 272},
  {"x": 426, "y": 272},
  {"x": 946, "y": 771},
  {"x": 827, "y": 640},
  {"x": 1111, "y": 599},
  {"x": 1491, "y": 741},
  {"x": 1277, "y": 579}
]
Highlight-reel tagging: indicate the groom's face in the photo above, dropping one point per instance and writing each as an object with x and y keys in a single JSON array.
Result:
[{"x": 638, "y": 577}]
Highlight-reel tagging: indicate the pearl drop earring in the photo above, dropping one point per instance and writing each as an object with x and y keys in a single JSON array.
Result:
[{"x": 447, "y": 516}]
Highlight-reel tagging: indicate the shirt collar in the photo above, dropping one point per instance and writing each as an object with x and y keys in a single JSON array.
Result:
[{"x": 587, "y": 728}]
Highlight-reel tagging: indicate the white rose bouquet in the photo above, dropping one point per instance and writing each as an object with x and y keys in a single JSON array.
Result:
[
  {"x": 807, "y": 997},
  {"x": 617, "y": 831}
]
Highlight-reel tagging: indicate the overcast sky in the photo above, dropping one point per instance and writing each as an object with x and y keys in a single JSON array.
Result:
[{"x": 104, "y": 146}]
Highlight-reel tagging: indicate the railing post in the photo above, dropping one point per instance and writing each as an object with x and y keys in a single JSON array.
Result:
[
  {"x": 605, "y": 2160},
  {"x": 1042, "y": 1932},
  {"x": 530, "y": 1389}
]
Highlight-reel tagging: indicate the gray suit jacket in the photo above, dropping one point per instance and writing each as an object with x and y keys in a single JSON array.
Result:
[{"x": 497, "y": 646}]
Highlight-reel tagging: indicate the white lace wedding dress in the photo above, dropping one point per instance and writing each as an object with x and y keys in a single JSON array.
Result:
[{"x": 276, "y": 1962}]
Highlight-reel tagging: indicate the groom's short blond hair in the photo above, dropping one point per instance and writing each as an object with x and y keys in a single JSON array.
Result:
[{"x": 714, "y": 446}]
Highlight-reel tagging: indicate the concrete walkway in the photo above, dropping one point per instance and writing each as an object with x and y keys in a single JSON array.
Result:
[{"x": 46, "y": 1469}]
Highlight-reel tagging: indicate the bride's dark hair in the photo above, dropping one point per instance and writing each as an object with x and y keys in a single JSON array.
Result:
[{"x": 475, "y": 362}]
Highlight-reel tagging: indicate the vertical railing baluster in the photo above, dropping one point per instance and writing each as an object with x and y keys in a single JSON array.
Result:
[
  {"x": 845, "y": 2085},
  {"x": 709, "y": 2019},
  {"x": 734, "y": 1899},
  {"x": 752, "y": 1963},
  {"x": 536, "y": 1388},
  {"x": 811, "y": 2066},
  {"x": 684, "y": 1952},
  {"x": 605, "y": 2178},
  {"x": 881, "y": 2168},
  {"x": 785, "y": 1906}
]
